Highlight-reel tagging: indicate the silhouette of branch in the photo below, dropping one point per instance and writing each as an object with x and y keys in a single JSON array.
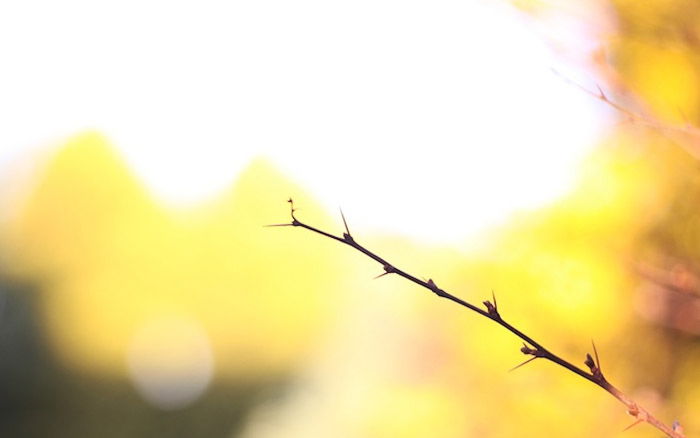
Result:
[
  {"x": 530, "y": 346},
  {"x": 687, "y": 129}
]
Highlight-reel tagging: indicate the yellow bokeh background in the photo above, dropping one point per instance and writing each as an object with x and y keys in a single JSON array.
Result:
[
  {"x": 115, "y": 259},
  {"x": 377, "y": 357},
  {"x": 303, "y": 342}
]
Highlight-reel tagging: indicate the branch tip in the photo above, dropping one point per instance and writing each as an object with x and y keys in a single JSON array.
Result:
[{"x": 292, "y": 209}]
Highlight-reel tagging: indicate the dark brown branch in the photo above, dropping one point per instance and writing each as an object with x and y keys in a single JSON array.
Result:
[{"x": 530, "y": 348}]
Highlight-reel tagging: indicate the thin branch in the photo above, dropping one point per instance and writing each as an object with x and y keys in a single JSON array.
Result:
[
  {"x": 693, "y": 132},
  {"x": 530, "y": 347}
]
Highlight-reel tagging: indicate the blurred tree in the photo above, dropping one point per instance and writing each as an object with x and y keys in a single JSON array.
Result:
[
  {"x": 41, "y": 397},
  {"x": 133, "y": 298}
]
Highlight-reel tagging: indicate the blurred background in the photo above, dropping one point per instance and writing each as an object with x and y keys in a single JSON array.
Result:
[{"x": 143, "y": 146}]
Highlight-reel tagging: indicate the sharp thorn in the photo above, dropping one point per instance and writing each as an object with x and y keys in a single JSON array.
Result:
[
  {"x": 600, "y": 91},
  {"x": 524, "y": 363},
  {"x": 632, "y": 425},
  {"x": 380, "y": 275},
  {"x": 493, "y": 295},
  {"x": 344, "y": 222},
  {"x": 595, "y": 352},
  {"x": 279, "y": 225}
]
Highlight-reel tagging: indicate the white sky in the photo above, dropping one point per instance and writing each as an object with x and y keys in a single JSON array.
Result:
[{"x": 431, "y": 118}]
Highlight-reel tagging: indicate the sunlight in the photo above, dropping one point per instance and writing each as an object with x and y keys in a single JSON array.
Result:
[{"x": 401, "y": 112}]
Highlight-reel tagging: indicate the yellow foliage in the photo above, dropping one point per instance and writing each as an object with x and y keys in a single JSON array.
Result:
[{"x": 112, "y": 260}]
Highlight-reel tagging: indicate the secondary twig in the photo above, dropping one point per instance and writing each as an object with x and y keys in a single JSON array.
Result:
[
  {"x": 690, "y": 131},
  {"x": 530, "y": 346}
]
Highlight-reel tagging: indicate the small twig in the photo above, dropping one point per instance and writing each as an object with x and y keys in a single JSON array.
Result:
[
  {"x": 686, "y": 129},
  {"x": 530, "y": 347}
]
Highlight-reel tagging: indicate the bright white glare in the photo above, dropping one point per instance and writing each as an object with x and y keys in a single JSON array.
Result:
[
  {"x": 429, "y": 118},
  {"x": 170, "y": 362}
]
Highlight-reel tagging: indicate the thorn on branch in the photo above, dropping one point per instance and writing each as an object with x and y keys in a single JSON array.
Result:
[
  {"x": 492, "y": 307},
  {"x": 527, "y": 350},
  {"x": 388, "y": 269},
  {"x": 594, "y": 365},
  {"x": 601, "y": 94},
  {"x": 346, "y": 235},
  {"x": 524, "y": 363},
  {"x": 590, "y": 363},
  {"x": 433, "y": 287},
  {"x": 632, "y": 425}
]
